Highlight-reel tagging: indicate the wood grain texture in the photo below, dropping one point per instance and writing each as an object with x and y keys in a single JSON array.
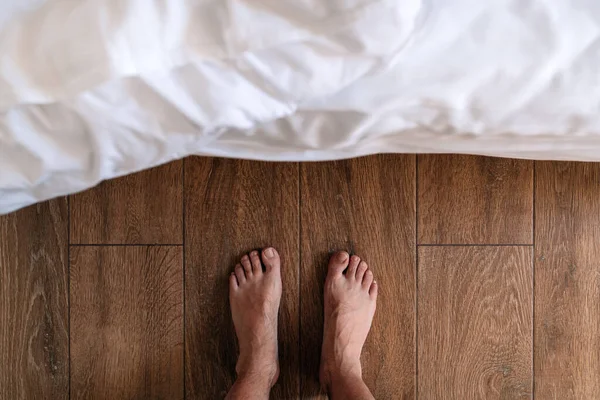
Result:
[
  {"x": 475, "y": 322},
  {"x": 567, "y": 281},
  {"x": 126, "y": 322},
  {"x": 474, "y": 200},
  {"x": 233, "y": 207},
  {"x": 143, "y": 208},
  {"x": 34, "y": 341},
  {"x": 365, "y": 206}
]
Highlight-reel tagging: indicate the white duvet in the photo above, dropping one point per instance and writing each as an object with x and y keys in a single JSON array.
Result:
[{"x": 93, "y": 89}]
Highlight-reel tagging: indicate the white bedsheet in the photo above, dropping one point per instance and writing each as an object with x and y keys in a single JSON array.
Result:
[{"x": 93, "y": 89}]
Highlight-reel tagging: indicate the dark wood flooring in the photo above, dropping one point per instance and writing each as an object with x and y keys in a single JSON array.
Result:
[{"x": 488, "y": 273}]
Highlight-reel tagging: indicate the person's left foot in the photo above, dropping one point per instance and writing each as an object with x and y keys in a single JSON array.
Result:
[{"x": 254, "y": 295}]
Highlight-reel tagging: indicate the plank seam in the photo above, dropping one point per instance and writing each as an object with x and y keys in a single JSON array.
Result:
[
  {"x": 299, "y": 278},
  {"x": 126, "y": 245},
  {"x": 69, "y": 287},
  {"x": 183, "y": 204},
  {"x": 416, "y": 339},
  {"x": 475, "y": 245},
  {"x": 533, "y": 285}
]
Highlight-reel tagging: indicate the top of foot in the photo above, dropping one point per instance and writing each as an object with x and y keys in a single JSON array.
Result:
[
  {"x": 350, "y": 300},
  {"x": 254, "y": 295}
]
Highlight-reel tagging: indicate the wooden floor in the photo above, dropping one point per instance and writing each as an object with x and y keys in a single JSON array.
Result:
[{"x": 488, "y": 269}]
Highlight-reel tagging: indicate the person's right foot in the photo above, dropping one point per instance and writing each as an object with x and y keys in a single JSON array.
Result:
[{"x": 350, "y": 300}]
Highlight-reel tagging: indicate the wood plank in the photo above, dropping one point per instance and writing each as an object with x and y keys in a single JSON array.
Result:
[
  {"x": 475, "y": 322},
  {"x": 143, "y": 208},
  {"x": 34, "y": 338},
  {"x": 474, "y": 200},
  {"x": 126, "y": 322},
  {"x": 567, "y": 281},
  {"x": 232, "y": 207},
  {"x": 365, "y": 206}
]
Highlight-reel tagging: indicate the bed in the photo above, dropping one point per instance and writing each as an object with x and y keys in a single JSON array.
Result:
[{"x": 94, "y": 89}]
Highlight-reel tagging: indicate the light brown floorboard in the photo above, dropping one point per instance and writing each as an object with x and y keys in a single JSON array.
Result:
[
  {"x": 233, "y": 207},
  {"x": 365, "y": 206},
  {"x": 475, "y": 322},
  {"x": 126, "y": 322},
  {"x": 34, "y": 341},
  {"x": 567, "y": 281}
]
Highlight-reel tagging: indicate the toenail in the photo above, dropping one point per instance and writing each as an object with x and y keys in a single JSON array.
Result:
[
  {"x": 342, "y": 256},
  {"x": 254, "y": 253},
  {"x": 269, "y": 252}
]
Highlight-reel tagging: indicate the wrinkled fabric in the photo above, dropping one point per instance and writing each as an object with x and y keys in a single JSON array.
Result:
[{"x": 94, "y": 89}]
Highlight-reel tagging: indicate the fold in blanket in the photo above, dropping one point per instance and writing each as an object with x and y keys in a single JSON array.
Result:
[{"x": 91, "y": 90}]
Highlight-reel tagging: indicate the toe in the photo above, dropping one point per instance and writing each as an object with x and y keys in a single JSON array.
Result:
[
  {"x": 239, "y": 274},
  {"x": 373, "y": 290},
  {"x": 360, "y": 272},
  {"x": 247, "y": 265},
  {"x": 354, "y": 261},
  {"x": 233, "y": 283},
  {"x": 271, "y": 259},
  {"x": 255, "y": 260},
  {"x": 338, "y": 263},
  {"x": 368, "y": 279}
]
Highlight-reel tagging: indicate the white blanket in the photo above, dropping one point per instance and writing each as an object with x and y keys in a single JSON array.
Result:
[{"x": 93, "y": 89}]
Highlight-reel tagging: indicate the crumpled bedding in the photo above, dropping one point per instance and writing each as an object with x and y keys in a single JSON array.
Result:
[{"x": 94, "y": 89}]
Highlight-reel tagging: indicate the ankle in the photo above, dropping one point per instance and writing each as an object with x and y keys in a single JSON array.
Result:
[
  {"x": 331, "y": 374},
  {"x": 333, "y": 381},
  {"x": 254, "y": 381},
  {"x": 348, "y": 385},
  {"x": 249, "y": 387},
  {"x": 259, "y": 375}
]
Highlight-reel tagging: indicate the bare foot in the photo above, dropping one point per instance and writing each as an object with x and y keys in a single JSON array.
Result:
[
  {"x": 254, "y": 295},
  {"x": 350, "y": 301}
]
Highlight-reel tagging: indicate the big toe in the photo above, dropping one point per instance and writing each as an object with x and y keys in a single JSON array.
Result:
[
  {"x": 271, "y": 260},
  {"x": 338, "y": 263}
]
